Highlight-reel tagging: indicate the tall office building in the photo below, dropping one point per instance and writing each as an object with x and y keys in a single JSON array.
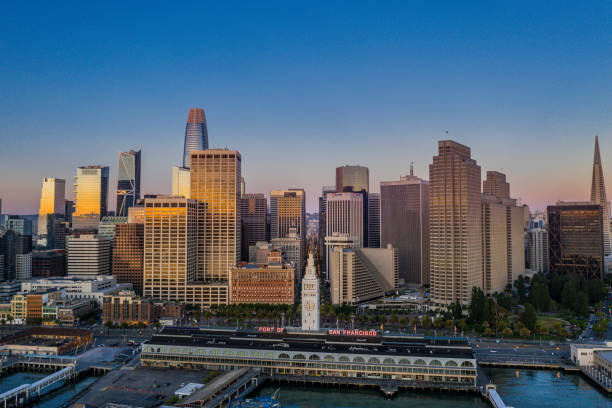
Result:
[
  {"x": 287, "y": 211},
  {"x": 404, "y": 219},
  {"x": 13, "y": 247},
  {"x": 108, "y": 226},
  {"x": 128, "y": 255},
  {"x": 503, "y": 235},
  {"x": 88, "y": 255},
  {"x": 373, "y": 220},
  {"x": 537, "y": 244},
  {"x": 322, "y": 223},
  {"x": 21, "y": 225},
  {"x": 345, "y": 215},
  {"x": 91, "y": 196},
  {"x": 598, "y": 196},
  {"x": 362, "y": 274},
  {"x": 215, "y": 180},
  {"x": 455, "y": 224},
  {"x": 196, "y": 134},
  {"x": 352, "y": 179},
  {"x": 181, "y": 182},
  {"x": 51, "y": 210},
  {"x": 575, "y": 239},
  {"x": 68, "y": 210},
  {"x": 356, "y": 179},
  {"x": 253, "y": 212},
  {"x": 291, "y": 250},
  {"x": 128, "y": 181},
  {"x": 175, "y": 252}
]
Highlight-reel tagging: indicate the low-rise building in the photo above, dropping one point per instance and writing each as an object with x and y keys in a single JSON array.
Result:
[
  {"x": 47, "y": 341},
  {"x": 76, "y": 288},
  {"x": 48, "y": 263},
  {"x": 126, "y": 306},
  {"x": 582, "y": 354},
  {"x": 273, "y": 283}
]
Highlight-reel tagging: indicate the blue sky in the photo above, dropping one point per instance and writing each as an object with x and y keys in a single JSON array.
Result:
[{"x": 300, "y": 89}]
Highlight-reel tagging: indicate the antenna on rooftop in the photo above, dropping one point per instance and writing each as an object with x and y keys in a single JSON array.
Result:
[{"x": 412, "y": 168}]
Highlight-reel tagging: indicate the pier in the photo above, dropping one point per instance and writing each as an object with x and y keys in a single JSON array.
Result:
[{"x": 23, "y": 394}]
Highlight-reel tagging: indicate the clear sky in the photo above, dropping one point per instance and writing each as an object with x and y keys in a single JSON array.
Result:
[{"x": 301, "y": 89}]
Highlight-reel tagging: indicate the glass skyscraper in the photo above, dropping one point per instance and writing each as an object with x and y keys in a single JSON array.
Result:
[
  {"x": 128, "y": 181},
  {"x": 196, "y": 134},
  {"x": 91, "y": 196}
]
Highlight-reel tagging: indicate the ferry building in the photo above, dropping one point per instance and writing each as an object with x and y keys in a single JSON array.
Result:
[{"x": 333, "y": 353}]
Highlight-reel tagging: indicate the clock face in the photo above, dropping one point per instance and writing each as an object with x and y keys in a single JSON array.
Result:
[{"x": 309, "y": 306}]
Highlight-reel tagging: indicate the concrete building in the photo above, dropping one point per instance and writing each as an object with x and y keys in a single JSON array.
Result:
[
  {"x": 175, "y": 252},
  {"x": 288, "y": 210},
  {"x": 128, "y": 255},
  {"x": 125, "y": 306},
  {"x": 362, "y": 274},
  {"x": 12, "y": 246},
  {"x": 291, "y": 249},
  {"x": 253, "y": 210},
  {"x": 91, "y": 196},
  {"x": 215, "y": 180},
  {"x": 373, "y": 220},
  {"x": 344, "y": 218},
  {"x": 537, "y": 244},
  {"x": 352, "y": 179},
  {"x": 322, "y": 225},
  {"x": 20, "y": 225},
  {"x": 128, "y": 181},
  {"x": 270, "y": 284},
  {"x": 503, "y": 235},
  {"x": 455, "y": 223},
  {"x": 404, "y": 214},
  {"x": 335, "y": 241},
  {"x": 575, "y": 239},
  {"x": 23, "y": 267},
  {"x": 311, "y": 298},
  {"x": 88, "y": 256},
  {"x": 74, "y": 288}
]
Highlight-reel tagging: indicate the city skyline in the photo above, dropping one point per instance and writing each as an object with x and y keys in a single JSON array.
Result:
[{"x": 526, "y": 102}]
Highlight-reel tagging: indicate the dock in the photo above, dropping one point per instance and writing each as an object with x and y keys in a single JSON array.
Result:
[{"x": 25, "y": 393}]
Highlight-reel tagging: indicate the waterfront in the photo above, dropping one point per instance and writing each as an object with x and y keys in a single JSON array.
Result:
[
  {"x": 55, "y": 398},
  {"x": 531, "y": 388}
]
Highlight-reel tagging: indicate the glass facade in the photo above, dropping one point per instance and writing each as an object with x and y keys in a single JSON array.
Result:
[
  {"x": 91, "y": 196},
  {"x": 215, "y": 180},
  {"x": 196, "y": 134},
  {"x": 575, "y": 240},
  {"x": 128, "y": 181}
]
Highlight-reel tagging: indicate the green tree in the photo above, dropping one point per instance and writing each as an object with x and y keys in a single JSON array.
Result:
[
  {"x": 124, "y": 325},
  {"x": 426, "y": 322},
  {"x": 601, "y": 327},
  {"x": 478, "y": 305},
  {"x": 525, "y": 332},
  {"x": 581, "y": 307},
  {"x": 404, "y": 321},
  {"x": 455, "y": 309},
  {"x": 529, "y": 316},
  {"x": 437, "y": 323},
  {"x": 109, "y": 324},
  {"x": 507, "y": 332}
]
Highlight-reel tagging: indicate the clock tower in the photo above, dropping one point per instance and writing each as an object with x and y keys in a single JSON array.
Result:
[{"x": 311, "y": 303}]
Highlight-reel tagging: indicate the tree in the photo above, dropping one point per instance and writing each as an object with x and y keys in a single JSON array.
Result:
[
  {"x": 426, "y": 322},
  {"x": 488, "y": 332},
  {"x": 404, "y": 321},
  {"x": 601, "y": 327},
  {"x": 141, "y": 325},
  {"x": 498, "y": 314},
  {"x": 521, "y": 288},
  {"x": 507, "y": 332},
  {"x": 539, "y": 296},
  {"x": 569, "y": 295},
  {"x": 124, "y": 325},
  {"x": 448, "y": 324},
  {"x": 562, "y": 332},
  {"x": 478, "y": 305},
  {"x": 581, "y": 307},
  {"x": 529, "y": 316},
  {"x": 437, "y": 323},
  {"x": 525, "y": 332},
  {"x": 455, "y": 309},
  {"x": 109, "y": 324}
]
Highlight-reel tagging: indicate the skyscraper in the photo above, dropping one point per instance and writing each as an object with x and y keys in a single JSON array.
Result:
[
  {"x": 196, "y": 134},
  {"x": 404, "y": 219},
  {"x": 51, "y": 208},
  {"x": 88, "y": 255},
  {"x": 128, "y": 255},
  {"x": 537, "y": 244},
  {"x": 215, "y": 180},
  {"x": 287, "y": 211},
  {"x": 253, "y": 208},
  {"x": 598, "y": 196},
  {"x": 352, "y": 179},
  {"x": 322, "y": 223},
  {"x": 345, "y": 215},
  {"x": 181, "y": 184},
  {"x": 128, "y": 181},
  {"x": 175, "y": 252},
  {"x": 575, "y": 239},
  {"x": 455, "y": 224},
  {"x": 91, "y": 196},
  {"x": 373, "y": 220}
]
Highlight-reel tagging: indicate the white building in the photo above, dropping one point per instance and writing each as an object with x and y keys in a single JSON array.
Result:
[
  {"x": 582, "y": 354},
  {"x": 291, "y": 248},
  {"x": 537, "y": 244},
  {"x": 88, "y": 255},
  {"x": 92, "y": 289},
  {"x": 311, "y": 299},
  {"x": 337, "y": 241}
]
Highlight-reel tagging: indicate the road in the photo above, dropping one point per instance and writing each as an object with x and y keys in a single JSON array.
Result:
[{"x": 515, "y": 352}]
